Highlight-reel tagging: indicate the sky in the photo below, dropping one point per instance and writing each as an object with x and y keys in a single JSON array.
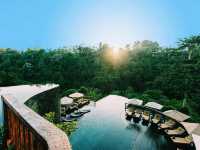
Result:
[{"x": 58, "y": 23}]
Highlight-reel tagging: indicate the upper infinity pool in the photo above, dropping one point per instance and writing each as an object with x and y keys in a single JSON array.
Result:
[
  {"x": 23, "y": 93},
  {"x": 105, "y": 128}
]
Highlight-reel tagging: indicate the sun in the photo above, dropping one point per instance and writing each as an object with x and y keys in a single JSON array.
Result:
[
  {"x": 115, "y": 51},
  {"x": 115, "y": 55}
]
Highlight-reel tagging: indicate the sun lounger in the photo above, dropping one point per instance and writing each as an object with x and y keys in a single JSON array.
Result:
[
  {"x": 156, "y": 119},
  {"x": 185, "y": 140},
  {"x": 76, "y": 114},
  {"x": 73, "y": 107},
  {"x": 128, "y": 113},
  {"x": 82, "y": 102},
  {"x": 145, "y": 118},
  {"x": 167, "y": 125},
  {"x": 67, "y": 119},
  {"x": 136, "y": 118},
  {"x": 137, "y": 113},
  {"x": 84, "y": 111},
  {"x": 146, "y": 115},
  {"x": 131, "y": 109},
  {"x": 177, "y": 131}
]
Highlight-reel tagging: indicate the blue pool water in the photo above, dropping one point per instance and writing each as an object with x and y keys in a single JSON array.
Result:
[{"x": 105, "y": 128}]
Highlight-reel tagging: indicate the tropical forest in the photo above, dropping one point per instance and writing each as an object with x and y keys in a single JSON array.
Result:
[{"x": 144, "y": 69}]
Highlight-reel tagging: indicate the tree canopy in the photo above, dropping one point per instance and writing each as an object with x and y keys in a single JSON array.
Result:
[{"x": 144, "y": 65}]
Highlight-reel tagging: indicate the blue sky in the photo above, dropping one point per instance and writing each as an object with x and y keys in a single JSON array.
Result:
[{"x": 58, "y": 23}]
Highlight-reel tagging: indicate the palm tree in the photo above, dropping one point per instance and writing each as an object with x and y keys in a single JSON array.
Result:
[{"x": 190, "y": 44}]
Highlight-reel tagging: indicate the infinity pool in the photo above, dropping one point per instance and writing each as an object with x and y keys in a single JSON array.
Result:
[
  {"x": 105, "y": 128},
  {"x": 22, "y": 93}
]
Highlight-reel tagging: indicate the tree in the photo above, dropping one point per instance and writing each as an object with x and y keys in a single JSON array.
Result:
[{"x": 190, "y": 44}]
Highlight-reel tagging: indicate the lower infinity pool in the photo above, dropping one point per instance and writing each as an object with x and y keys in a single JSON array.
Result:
[{"x": 105, "y": 128}]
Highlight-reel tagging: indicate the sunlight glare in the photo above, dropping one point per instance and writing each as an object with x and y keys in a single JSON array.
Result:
[{"x": 115, "y": 51}]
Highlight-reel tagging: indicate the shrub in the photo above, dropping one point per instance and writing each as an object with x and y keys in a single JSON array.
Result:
[
  {"x": 1, "y": 136},
  {"x": 168, "y": 108},
  {"x": 50, "y": 117},
  {"x": 69, "y": 91},
  {"x": 146, "y": 98},
  {"x": 116, "y": 92},
  {"x": 176, "y": 104},
  {"x": 184, "y": 110},
  {"x": 154, "y": 94},
  {"x": 1, "y": 131},
  {"x": 130, "y": 93},
  {"x": 83, "y": 89},
  {"x": 94, "y": 94},
  {"x": 172, "y": 104},
  {"x": 67, "y": 127}
]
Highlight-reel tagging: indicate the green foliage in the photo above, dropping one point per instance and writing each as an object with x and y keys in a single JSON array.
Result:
[
  {"x": 153, "y": 94},
  {"x": 1, "y": 136},
  {"x": 172, "y": 104},
  {"x": 11, "y": 147},
  {"x": 83, "y": 89},
  {"x": 143, "y": 66},
  {"x": 48, "y": 101},
  {"x": 69, "y": 91},
  {"x": 184, "y": 110},
  {"x": 67, "y": 127},
  {"x": 129, "y": 93},
  {"x": 50, "y": 117},
  {"x": 116, "y": 92},
  {"x": 1, "y": 131},
  {"x": 94, "y": 94}
]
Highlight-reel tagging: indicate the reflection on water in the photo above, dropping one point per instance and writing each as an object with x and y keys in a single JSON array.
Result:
[
  {"x": 134, "y": 126},
  {"x": 105, "y": 128}
]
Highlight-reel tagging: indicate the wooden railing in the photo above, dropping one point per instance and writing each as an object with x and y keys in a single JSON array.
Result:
[{"x": 26, "y": 130}]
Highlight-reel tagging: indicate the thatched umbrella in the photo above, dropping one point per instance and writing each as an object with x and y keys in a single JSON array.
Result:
[
  {"x": 132, "y": 105},
  {"x": 190, "y": 127},
  {"x": 194, "y": 130},
  {"x": 176, "y": 115},
  {"x": 76, "y": 95},
  {"x": 66, "y": 101},
  {"x": 135, "y": 101},
  {"x": 154, "y": 105}
]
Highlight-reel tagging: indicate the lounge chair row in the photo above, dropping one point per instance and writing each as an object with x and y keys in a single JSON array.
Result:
[
  {"x": 177, "y": 134},
  {"x": 79, "y": 103},
  {"x": 146, "y": 116},
  {"x": 174, "y": 131},
  {"x": 187, "y": 140}
]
